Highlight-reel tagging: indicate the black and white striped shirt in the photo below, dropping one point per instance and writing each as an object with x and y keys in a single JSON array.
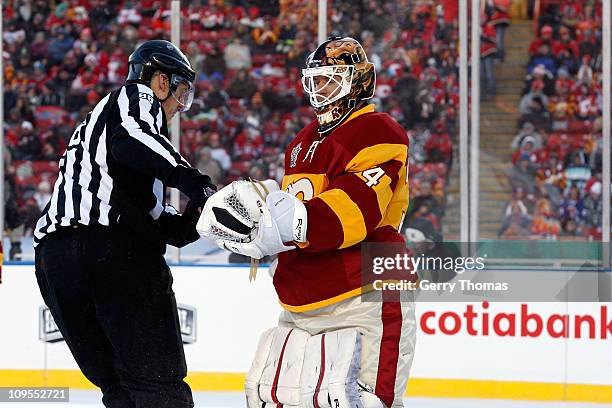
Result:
[{"x": 116, "y": 167}]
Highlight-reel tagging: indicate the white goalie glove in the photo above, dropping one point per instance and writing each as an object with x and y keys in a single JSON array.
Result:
[{"x": 253, "y": 218}]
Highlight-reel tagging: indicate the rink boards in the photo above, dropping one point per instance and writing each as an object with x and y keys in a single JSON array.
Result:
[{"x": 536, "y": 351}]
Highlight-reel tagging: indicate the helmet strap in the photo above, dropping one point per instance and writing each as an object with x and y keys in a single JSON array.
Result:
[{"x": 166, "y": 98}]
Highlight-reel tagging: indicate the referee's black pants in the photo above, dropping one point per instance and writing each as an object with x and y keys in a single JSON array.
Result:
[{"x": 111, "y": 297}]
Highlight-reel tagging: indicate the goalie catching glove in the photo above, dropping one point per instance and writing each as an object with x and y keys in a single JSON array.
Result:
[{"x": 253, "y": 218}]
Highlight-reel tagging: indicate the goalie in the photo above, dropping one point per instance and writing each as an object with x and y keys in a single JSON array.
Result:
[{"x": 345, "y": 183}]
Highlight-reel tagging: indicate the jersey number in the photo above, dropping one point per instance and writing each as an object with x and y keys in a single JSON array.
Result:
[{"x": 373, "y": 176}]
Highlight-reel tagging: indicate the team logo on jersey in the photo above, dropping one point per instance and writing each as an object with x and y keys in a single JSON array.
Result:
[{"x": 294, "y": 154}]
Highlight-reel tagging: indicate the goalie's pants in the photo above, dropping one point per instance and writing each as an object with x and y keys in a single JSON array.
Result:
[
  {"x": 387, "y": 344},
  {"x": 114, "y": 305}
]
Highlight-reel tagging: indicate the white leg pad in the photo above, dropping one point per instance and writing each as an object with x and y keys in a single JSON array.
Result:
[
  {"x": 278, "y": 380},
  {"x": 295, "y": 369},
  {"x": 331, "y": 369},
  {"x": 251, "y": 386}
]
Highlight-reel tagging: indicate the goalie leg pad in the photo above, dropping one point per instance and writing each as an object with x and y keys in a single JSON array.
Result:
[
  {"x": 331, "y": 370},
  {"x": 274, "y": 377},
  {"x": 251, "y": 386},
  {"x": 295, "y": 369}
]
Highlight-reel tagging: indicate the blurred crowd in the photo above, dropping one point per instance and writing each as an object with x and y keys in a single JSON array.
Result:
[
  {"x": 61, "y": 57},
  {"x": 557, "y": 161}
]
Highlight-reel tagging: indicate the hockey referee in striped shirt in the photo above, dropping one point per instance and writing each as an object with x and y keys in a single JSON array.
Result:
[{"x": 100, "y": 241}]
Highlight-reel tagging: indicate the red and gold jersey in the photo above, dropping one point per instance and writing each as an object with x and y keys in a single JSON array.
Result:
[{"x": 354, "y": 184}]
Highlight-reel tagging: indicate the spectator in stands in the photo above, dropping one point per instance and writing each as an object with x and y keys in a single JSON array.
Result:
[
  {"x": 545, "y": 38},
  {"x": 439, "y": 147},
  {"x": 572, "y": 207},
  {"x": 237, "y": 55},
  {"x": 529, "y": 103},
  {"x": 593, "y": 212},
  {"x": 516, "y": 221},
  {"x": 542, "y": 74},
  {"x": 211, "y": 166},
  {"x": 527, "y": 148},
  {"x": 48, "y": 152},
  {"x": 242, "y": 87},
  {"x": 28, "y": 144},
  {"x": 101, "y": 15},
  {"x": 550, "y": 176},
  {"x": 589, "y": 43},
  {"x": 59, "y": 45},
  {"x": 424, "y": 211},
  {"x": 84, "y": 82},
  {"x": 195, "y": 56},
  {"x": 567, "y": 50},
  {"x": 499, "y": 17},
  {"x": 522, "y": 175},
  {"x": 216, "y": 97},
  {"x": 571, "y": 13},
  {"x": 265, "y": 37},
  {"x": 488, "y": 54},
  {"x": 585, "y": 72},
  {"x": 218, "y": 152},
  {"x": 298, "y": 53},
  {"x": 376, "y": 20},
  {"x": 214, "y": 65},
  {"x": 587, "y": 103},
  {"x": 528, "y": 130},
  {"x": 543, "y": 57},
  {"x": 544, "y": 223},
  {"x": 39, "y": 47},
  {"x": 570, "y": 228},
  {"x": 288, "y": 31},
  {"x": 561, "y": 116},
  {"x": 258, "y": 172},
  {"x": 258, "y": 112},
  {"x": 425, "y": 198},
  {"x": 248, "y": 144},
  {"x": 13, "y": 216},
  {"x": 42, "y": 195}
]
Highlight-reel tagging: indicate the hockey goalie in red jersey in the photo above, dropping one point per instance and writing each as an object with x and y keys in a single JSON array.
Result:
[{"x": 345, "y": 184}]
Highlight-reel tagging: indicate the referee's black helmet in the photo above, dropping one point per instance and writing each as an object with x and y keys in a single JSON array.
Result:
[
  {"x": 163, "y": 56},
  {"x": 158, "y": 55}
]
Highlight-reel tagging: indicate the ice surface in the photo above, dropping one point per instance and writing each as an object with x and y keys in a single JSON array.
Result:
[{"x": 89, "y": 399}]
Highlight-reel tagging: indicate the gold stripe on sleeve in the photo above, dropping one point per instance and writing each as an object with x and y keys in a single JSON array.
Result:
[{"x": 349, "y": 214}]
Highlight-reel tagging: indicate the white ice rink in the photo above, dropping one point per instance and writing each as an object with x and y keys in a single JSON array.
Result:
[{"x": 88, "y": 399}]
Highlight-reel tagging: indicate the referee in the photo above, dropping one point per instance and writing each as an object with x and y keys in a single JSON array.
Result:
[{"x": 100, "y": 241}]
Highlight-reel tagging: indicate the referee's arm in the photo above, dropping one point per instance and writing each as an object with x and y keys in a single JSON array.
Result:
[{"x": 137, "y": 142}]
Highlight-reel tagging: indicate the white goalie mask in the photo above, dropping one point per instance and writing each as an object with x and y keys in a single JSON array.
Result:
[
  {"x": 337, "y": 77},
  {"x": 327, "y": 84}
]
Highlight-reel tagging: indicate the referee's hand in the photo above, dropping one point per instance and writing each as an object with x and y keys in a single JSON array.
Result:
[{"x": 198, "y": 199}]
